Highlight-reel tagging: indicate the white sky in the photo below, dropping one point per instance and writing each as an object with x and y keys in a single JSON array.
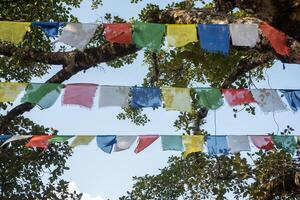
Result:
[{"x": 109, "y": 176}]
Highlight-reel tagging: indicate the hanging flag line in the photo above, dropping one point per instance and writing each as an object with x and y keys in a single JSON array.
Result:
[
  {"x": 179, "y": 99},
  {"x": 213, "y": 38},
  {"x": 215, "y": 144}
]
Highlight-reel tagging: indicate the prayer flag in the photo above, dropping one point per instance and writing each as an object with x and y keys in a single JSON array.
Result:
[
  {"x": 262, "y": 141},
  {"x": 49, "y": 28},
  {"x": 3, "y": 138},
  {"x": 106, "y": 142},
  {"x": 16, "y": 138},
  {"x": 144, "y": 141},
  {"x": 43, "y": 94},
  {"x": 268, "y": 100},
  {"x": 10, "y": 91},
  {"x": 81, "y": 140},
  {"x": 40, "y": 141},
  {"x": 209, "y": 98},
  {"x": 244, "y": 34},
  {"x": 172, "y": 142},
  {"x": 286, "y": 142},
  {"x": 293, "y": 98},
  {"x": 13, "y": 32},
  {"x": 217, "y": 145},
  {"x": 238, "y": 143},
  {"x": 277, "y": 38},
  {"x": 145, "y": 97},
  {"x": 60, "y": 138},
  {"x": 78, "y": 35},
  {"x": 177, "y": 99},
  {"x": 124, "y": 142},
  {"x": 214, "y": 37},
  {"x": 238, "y": 96},
  {"x": 113, "y": 96},
  {"x": 179, "y": 35},
  {"x": 192, "y": 144},
  {"x": 118, "y": 33},
  {"x": 148, "y": 35},
  {"x": 81, "y": 94}
]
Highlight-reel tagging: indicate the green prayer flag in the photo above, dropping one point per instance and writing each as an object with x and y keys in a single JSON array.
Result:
[
  {"x": 172, "y": 142},
  {"x": 148, "y": 35},
  {"x": 42, "y": 94},
  {"x": 286, "y": 142},
  {"x": 60, "y": 138},
  {"x": 210, "y": 98}
]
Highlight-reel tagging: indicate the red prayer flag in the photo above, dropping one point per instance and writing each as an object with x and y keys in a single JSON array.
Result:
[
  {"x": 277, "y": 38},
  {"x": 118, "y": 33},
  {"x": 80, "y": 94},
  {"x": 145, "y": 141},
  {"x": 238, "y": 96},
  {"x": 262, "y": 141},
  {"x": 40, "y": 141}
]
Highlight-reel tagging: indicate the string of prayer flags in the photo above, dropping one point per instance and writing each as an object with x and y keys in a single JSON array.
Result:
[
  {"x": 118, "y": 33},
  {"x": 217, "y": 145},
  {"x": 124, "y": 142},
  {"x": 238, "y": 96},
  {"x": 10, "y": 91},
  {"x": 49, "y": 28},
  {"x": 106, "y": 142},
  {"x": 192, "y": 144},
  {"x": 172, "y": 142},
  {"x": 144, "y": 141},
  {"x": 244, "y": 34},
  {"x": 286, "y": 142},
  {"x": 82, "y": 140},
  {"x": 238, "y": 143},
  {"x": 179, "y": 35},
  {"x": 209, "y": 98},
  {"x": 40, "y": 141},
  {"x": 293, "y": 98},
  {"x": 177, "y": 99},
  {"x": 16, "y": 138},
  {"x": 13, "y": 32},
  {"x": 113, "y": 96},
  {"x": 78, "y": 35},
  {"x": 277, "y": 38},
  {"x": 148, "y": 35},
  {"x": 81, "y": 94},
  {"x": 60, "y": 138},
  {"x": 44, "y": 95},
  {"x": 214, "y": 37},
  {"x": 268, "y": 100},
  {"x": 143, "y": 97},
  {"x": 262, "y": 141}
]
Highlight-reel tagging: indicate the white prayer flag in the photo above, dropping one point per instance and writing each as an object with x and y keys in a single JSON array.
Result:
[
  {"x": 238, "y": 143},
  {"x": 77, "y": 35},
  {"x": 124, "y": 142},
  {"x": 113, "y": 96},
  {"x": 244, "y": 34}
]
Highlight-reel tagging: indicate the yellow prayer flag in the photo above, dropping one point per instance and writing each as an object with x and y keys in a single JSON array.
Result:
[
  {"x": 192, "y": 143},
  {"x": 82, "y": 140},
  {"x": 177, "y": 99},
  {"x": 13, "y": 32},
  {"x": 10, "y": 91},
  {"x": 179, "y": 35}
]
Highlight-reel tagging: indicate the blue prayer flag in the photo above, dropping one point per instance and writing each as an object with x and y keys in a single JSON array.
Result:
[
  {"x": 214, "y": 37},
  {"x": 293, "y": 98},
  {"x": 3, "y": 138},
  {"x": 49, "y": 28},
  {"x": 172, "y": 142},
  {"x": 217, "y": 145},
  {"x": 145, "y": 97},
  {"x": 106, "y": 142}
]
